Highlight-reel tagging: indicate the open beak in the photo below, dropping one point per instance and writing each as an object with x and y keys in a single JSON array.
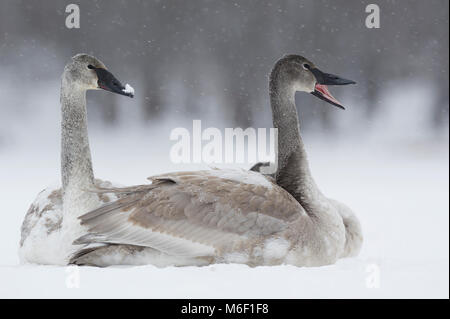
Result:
[
  {"x": 321, "y": 89},
  {"x": 108, "y": 82}
]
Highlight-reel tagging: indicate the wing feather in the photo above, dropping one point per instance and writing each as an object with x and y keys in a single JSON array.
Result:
[{"x": 192, "y": 213}]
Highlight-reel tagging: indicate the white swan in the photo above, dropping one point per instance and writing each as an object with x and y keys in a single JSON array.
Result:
[
  {"x": 51, "y": 224},
  {"x": 222, "y": 216}
]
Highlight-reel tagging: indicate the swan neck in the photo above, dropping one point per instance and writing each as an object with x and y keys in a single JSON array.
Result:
[
  {"x": 76, "y": 163},
  {"x": 293, "y": 172}
]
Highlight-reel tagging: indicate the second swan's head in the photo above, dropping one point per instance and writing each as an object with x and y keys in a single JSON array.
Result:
[
  {"x": 299, "y": 74},
  {"x": 89, "y": 73}
]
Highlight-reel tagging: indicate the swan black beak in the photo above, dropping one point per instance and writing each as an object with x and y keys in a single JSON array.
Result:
[
  {"x": 321, "y": 89},
  {"x": 108, "y": 82}
]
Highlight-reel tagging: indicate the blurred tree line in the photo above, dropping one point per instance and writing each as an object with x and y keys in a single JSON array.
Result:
[{"x": 222, "y": 51}]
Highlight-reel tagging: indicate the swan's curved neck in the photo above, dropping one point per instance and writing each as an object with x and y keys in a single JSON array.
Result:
[
  {"x": 293, "y": 173},
  {"x": 76, "y": 164}
]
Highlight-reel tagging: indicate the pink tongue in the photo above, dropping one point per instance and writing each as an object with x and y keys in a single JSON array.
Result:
[{"x": 324, "y": 90}]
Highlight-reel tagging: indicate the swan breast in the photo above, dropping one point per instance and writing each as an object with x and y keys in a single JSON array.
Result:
[{"x": 40, "y": 240}]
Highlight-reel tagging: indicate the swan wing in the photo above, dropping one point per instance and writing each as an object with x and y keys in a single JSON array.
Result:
[{"x": 193, "y": 213}]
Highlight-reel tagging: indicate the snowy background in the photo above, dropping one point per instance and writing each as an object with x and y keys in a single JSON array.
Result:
[{"x": 386, "y": 156}]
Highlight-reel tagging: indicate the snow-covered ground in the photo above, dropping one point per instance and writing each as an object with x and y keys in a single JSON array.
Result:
[
  {"x": 399, "y": 194},
  {"x": 398, "y": 187}
]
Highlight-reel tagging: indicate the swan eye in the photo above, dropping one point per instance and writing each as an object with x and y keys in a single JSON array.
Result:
[
  {"x": 90, "y": 66},
  {"x": 306, "y": 66}
]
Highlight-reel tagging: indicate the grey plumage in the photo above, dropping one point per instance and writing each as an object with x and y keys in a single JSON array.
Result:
[
  {"x": 75, "y": 151},
  {"x": 293, "y": 173}
]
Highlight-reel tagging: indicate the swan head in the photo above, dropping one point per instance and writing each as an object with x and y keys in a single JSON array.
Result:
[
  {"x": 300, "y": 74},
  {"x": 89, "y": 73}
]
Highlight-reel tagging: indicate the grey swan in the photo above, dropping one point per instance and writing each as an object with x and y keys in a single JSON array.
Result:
[
  {"x": 231, "y": 216},
  {"x": 51, "y": 223},
  {"x": 293, "y": 173}
]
